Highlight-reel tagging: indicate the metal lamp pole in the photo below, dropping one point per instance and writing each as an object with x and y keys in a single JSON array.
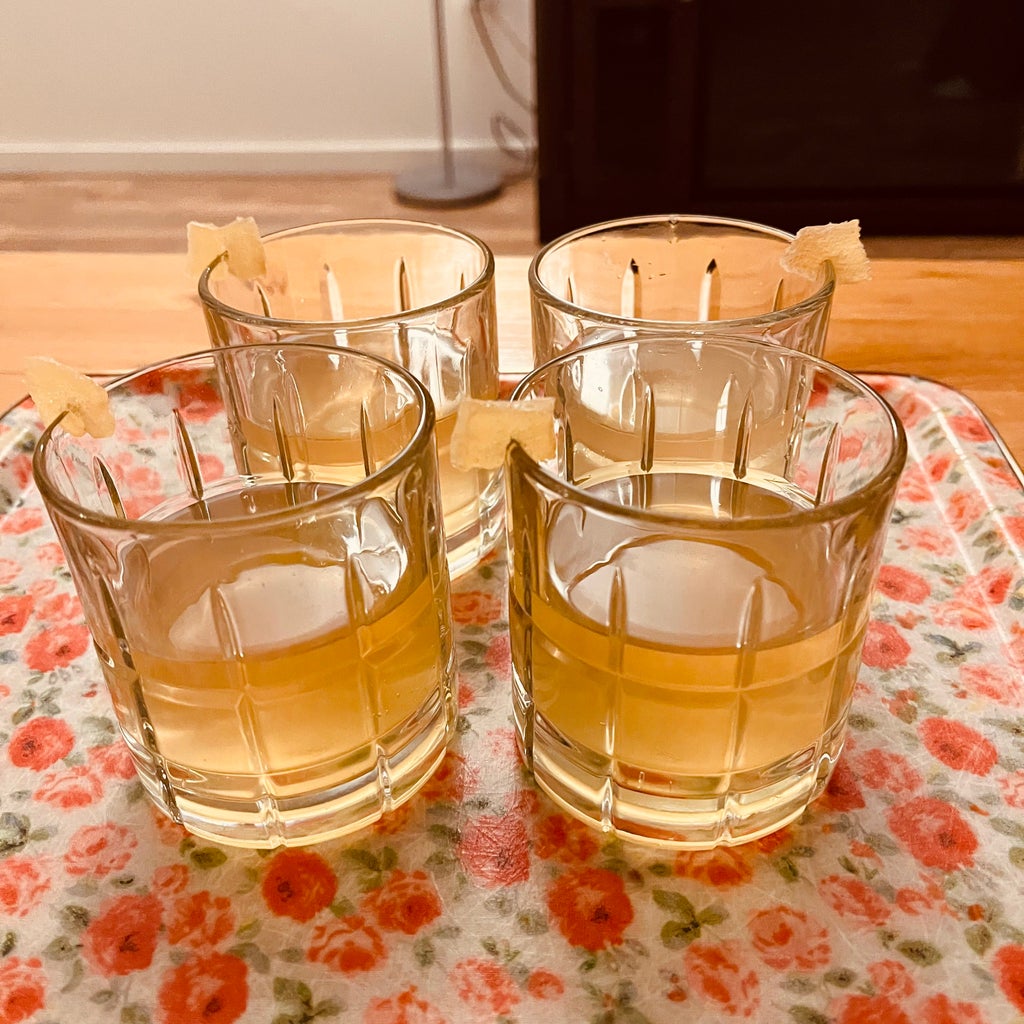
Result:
[{"x": 454, "y": 183}]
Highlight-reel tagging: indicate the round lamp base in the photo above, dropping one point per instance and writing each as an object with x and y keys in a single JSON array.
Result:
[{"x": 464, "y": 186}]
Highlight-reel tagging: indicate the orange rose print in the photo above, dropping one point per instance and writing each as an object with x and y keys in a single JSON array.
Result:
[
  {"x": 59, "y": 608},
  {"x": 1008, "y": 968},
  {"x": 22, "y": 520},
  {"x": 475, "y": 608},
  {"x": 406, "y": 903},
  {"x": 77, "y": 786},
  {"x": 934, "y": 832},
  {"x": 199, "y": 402},
  {"x": 499, "y": 655},
  {"x": 212, "y": 989},
  {"x": 544, "y": 984},
  {"x": 997, "y": 683},
  {"x": 884, "y": 646},
  {"x": 349, "y": 946},
  {"x": 485, "y": 986},
  {"x": 718, "y": 973},
  {"x": 113, "y": 761},
  {"x": 892, "y": 979},
  {"x": 591, "y": 908},
  {"x": 496, "y": 850},
  {"x": 901, "y": 584},
  {"x": 200, "y": 921},
  {"x": 842, "y": 792},
  {"x": 1015, "y": 528},
  {"x": 854, "y": 900},
  {"x": 23, "y": 883},
  {"x": 22, "y": 989},
  {"x": 1012, "y": 789},
  {"x": 962, "y": 613},
  {"x": 210, "y": 467},
  {"x": 405, "y": 1008},
  {"x": 773, "y": 841},
  {"x": 926, "y": 538},
  {"x": 941, "y": 1009},
  {"x": 869, "y": 1010},
  {"x": 915, "y": 485},
  {"x": 969, "y": 427},
  {"x": 886, "y": 770},
  {"x": 788, "y": 939},
  {"x": 99, "y": 850},
  {"x": 40, "y": 743},
  {"x": 14, "y": 613},
  {"x": 50, "y": 555},
  {"x": 168, "y": 880},
  {"x": 938, "y": 464},
  {"x": 56, "y": 647},
  {"x": 958, "y": 746},
  {"x": 561, "y": 838},
  {"x": 299, "y": 884},
  {"x": 930, "y": 896},
  {"x": 964, "y": 508},
  {"x": 122, "y": 939},
  {"x": 722, "y": 868}
]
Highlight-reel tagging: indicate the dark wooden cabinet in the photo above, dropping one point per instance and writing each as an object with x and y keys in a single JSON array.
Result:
[{"x": 908, "y": 114}]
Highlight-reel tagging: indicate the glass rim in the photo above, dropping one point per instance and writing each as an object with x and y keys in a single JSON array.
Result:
[
  {"x": 421, "y": 436},
  {"x": 870, "y": 491},
  {"x": 540, "y": 290},
  {"x": 471, "y": 290}
]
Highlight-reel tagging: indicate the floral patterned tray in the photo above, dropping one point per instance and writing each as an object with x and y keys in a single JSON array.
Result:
[{"x": 894, "y": 901}]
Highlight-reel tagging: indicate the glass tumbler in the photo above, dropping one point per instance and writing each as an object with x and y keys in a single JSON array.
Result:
[
  {"x": 275, "y": 631},
  {"x": 415, "y": 293},
  {"x": 690, "y": 580},
  {"x": 674, "y": 275}
]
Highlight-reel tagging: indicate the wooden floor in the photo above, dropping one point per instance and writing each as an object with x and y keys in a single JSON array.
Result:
[{"x": 148, "y": 213}]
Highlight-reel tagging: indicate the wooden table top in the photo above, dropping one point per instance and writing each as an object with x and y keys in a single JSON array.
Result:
[{"x": 960, "y": 322}]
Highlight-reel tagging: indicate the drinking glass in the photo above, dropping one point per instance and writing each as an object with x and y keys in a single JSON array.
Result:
[
  {"x": 274, "y": 629},
  {"x": 419, "y": 294},
  {"x": 674, "y": 275},
  {"x": 690, "y": 580}
]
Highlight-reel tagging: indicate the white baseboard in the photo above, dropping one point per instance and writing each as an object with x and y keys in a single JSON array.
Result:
[{"x": 257, "y": 157}]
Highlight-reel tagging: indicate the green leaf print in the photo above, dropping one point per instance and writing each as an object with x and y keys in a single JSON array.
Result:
[
  {"x": 841, "y": 977},
  {"x": 979, "y": 938},
  {"x": 14, "y": 830},
  {"x": 924, "y": 954},
  {"x": 208, "y": 857},
  {"x": 806, "y": 1015},
  {"x": 362, "y": 858},
  {"x": 531, "y": 922},
  {"x": 679, "y": 934},
  {"x": 674, "y": 902}
]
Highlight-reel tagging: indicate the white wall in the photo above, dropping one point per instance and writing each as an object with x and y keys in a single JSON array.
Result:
[{"x": 248, "y": 85}]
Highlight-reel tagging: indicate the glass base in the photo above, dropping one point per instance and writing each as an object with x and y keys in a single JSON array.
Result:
[
  {"x": 300, "y": 819},
  {"x": 684, "y": 813}
]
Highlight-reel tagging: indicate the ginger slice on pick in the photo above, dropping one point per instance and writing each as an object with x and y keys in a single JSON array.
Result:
[
  {"x": 240, "y": 239},
  {"x": 839, "y": 243},
  {"x": 56, "y": 388},
  {"x": 484, "y": 429}
]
